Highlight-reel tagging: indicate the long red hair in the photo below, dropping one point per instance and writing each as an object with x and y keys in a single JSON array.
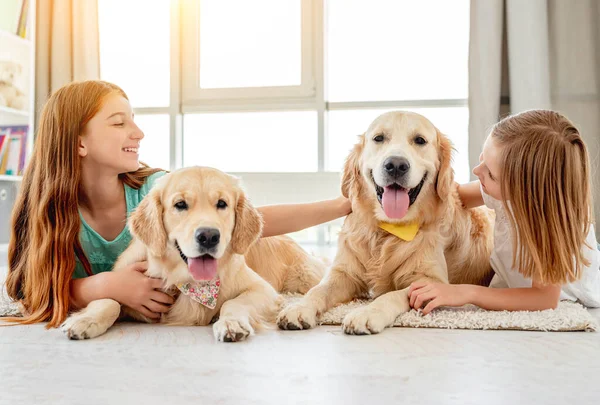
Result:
[{"x": 45, "y": 221}]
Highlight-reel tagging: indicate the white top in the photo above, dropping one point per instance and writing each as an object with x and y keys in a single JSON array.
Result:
[{"x": 586, "y": 290}]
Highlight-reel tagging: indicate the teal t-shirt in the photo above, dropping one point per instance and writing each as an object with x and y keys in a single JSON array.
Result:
[{"x": 101, "y": 253}]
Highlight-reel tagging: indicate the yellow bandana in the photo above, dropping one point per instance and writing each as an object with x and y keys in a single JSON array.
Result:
[{"x": 405, "y": 232}]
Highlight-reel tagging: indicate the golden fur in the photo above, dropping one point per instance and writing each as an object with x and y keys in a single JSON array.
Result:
[
  {"x": 453, "y": 244},
  {"x": 247, "y": 299}
]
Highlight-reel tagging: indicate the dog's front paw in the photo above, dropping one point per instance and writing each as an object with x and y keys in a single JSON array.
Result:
[
  {"x": 297, "y": 317},
  {"x": 78, "y": 327},
  {"x": 365, "y": 321},
  {"x": 232, "y": 330}
]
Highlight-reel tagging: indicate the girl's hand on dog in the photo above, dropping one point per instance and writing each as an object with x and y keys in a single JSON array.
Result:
[
  {"x": 438, "y": 294},
  {"x": 132, "y": 288}
]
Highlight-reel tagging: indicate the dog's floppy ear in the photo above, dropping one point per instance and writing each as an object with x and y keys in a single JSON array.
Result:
[
  {"x": 351, "y": 174},
  {"x": 248, "y": 225},
  {"x": 445, "y": 176},
  {"x": 146, "y": 223}
]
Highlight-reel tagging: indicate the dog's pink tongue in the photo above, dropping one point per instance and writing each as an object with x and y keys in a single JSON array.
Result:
[
  {"x": 203, "y": 268},
  {"x": 395, "y": 202}
]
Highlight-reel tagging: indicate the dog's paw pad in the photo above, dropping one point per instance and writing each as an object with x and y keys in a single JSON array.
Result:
[
  {"x": 297, "y": 317},
  {"x": 364, "y": 321},
  {"x": 234, "y": 337},
  {"x": 231, "y": 330},
  {"x": 80, "y": 328}
]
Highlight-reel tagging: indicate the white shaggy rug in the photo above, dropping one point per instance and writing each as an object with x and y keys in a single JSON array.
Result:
[{"x": 569, "y": 316}]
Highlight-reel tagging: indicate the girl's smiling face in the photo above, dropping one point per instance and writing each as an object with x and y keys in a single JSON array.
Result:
[
  {"x": 112, "y": 138},
  {"x": 488, "y": 170}
]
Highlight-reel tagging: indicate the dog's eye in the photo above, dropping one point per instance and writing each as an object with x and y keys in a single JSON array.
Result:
[
  {"x": 379, "y": 138},
  {"x": 181, "y": 205},
  {"x": 419, "y": 140},
  {"x": 221, "y": 204}
]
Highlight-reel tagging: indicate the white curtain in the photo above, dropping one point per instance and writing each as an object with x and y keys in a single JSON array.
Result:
[{"x": 552, "y": 50}]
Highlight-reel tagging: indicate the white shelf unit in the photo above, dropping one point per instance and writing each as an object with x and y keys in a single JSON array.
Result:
[
  {"x": 20, "y": 50},
  {"x": 16, "y": 117},
  {"x": 9, "y": 36},
  {"x": 5, "y": 177}
]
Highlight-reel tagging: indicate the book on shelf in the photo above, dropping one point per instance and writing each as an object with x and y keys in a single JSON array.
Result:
[
  {"x": 13, "y": 149},
  {"x": 14, "y": 17},
  {"x": 22, "y": 23}
]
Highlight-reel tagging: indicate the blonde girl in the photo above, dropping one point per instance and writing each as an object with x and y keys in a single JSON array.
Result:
[{"x": 534, "y": 172}]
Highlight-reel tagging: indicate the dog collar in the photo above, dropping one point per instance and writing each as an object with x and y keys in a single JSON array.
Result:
[
  {"x": 405, "y": 232},
  {"x": 204, "y": 292}
]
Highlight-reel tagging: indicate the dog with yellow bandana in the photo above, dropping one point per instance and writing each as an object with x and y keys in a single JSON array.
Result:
[{"x": 408, "y": 225}]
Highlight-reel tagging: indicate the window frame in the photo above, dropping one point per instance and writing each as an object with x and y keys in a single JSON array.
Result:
[
  {"x": 196, "y": 99},
  {"x": 186, "y": 98}
]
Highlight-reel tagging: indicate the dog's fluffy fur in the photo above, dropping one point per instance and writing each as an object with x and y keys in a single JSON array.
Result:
[
  {"x": 247, "y": 299},
  {"x": 453, "y": 244}
]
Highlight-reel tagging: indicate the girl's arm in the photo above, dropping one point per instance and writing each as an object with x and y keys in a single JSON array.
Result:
[
  {"x": 88, "y": 289},
  {"x": 536, "y": 298},
  {"x": 470, "y": 194},
  {"x": 128, "y": 286},
  {"x": 287, "y": 218}
]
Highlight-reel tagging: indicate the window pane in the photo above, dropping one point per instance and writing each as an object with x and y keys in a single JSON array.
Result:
[
  {"x": 155, "y": 147},
  {"x": 345, "y": 126},
  {"x": 134, "y": 49},
  {"x": 397, "y": 50},
  {"x": 257, "y": 45},
  {"x": 252, "y": 142}
]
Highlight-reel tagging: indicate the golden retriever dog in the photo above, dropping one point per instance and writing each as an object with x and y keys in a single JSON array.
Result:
[
  {"x": 398, "y": 177},
  {"x": 199, "y": 233}
]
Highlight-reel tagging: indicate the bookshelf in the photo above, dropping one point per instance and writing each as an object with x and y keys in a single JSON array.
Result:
[
  {"x": 17, "y": 48},
  {"x": 17, "y": 55},
  {"x": 10, "y": 177}
]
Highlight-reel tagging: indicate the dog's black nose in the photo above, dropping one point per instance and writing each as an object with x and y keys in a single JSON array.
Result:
[
  {"x": 208, "y": 237},
  {"x": 396, "y": 166}
]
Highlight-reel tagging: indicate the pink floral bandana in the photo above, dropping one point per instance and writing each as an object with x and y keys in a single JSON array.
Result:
[{"x": 204, "y": 292}]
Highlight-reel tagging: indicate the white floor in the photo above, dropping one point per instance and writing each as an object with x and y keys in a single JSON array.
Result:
[{"x": 147, "y": 364}]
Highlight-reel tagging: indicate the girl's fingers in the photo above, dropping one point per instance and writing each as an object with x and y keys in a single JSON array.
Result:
[
  {"x": 416, "y": 286},
  {"x": 141, "y": 266},
  {"x": 157, "y": 307},
  {"x": 426, "y": 296},
  {"x": 416, "y": 293},
  {"x": 147, "y": 313},
  {"x": 157, "y": 283},
  {"x": 432, "y": 305},
  {"x": 162, "y": 298}
]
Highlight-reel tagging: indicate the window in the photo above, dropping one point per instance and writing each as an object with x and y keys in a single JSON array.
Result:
[
  {"x": 397, "y": 50},
  {"x": 277, "y": 91},
  {"x": 134, "y": 51},
  {"x": 252, "y": 142},
  {"x": 154, "y": 148},
  {"x": 261, "y": 51}
]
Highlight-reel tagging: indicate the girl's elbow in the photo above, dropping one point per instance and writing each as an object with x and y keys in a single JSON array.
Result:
[
  {"x": 551, "y": 302},
  {"x": 547, "y": 296}
]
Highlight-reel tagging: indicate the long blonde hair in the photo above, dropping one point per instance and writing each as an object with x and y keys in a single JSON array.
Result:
[
  {"x": 545, "y": 173},
  {"x": 45, "y": 221}
]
